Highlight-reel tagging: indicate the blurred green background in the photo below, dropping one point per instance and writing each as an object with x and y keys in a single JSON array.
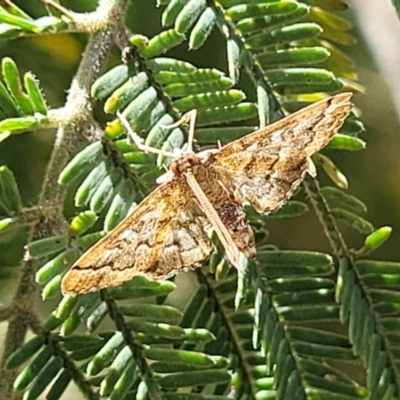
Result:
[{"x": 373, "y": 174}]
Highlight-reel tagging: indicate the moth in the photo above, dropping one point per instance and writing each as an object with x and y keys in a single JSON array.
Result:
[{"x": 167, "y": 233}]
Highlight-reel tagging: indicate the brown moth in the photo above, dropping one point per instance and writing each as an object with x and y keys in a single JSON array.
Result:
[{"x": 166, "y": 233}]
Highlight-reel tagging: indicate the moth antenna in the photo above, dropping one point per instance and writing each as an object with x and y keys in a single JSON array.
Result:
[
  {"x": 183, "y": 120},
  {"x": 138, "y": 140},
  {"x": 190, "y": 117},
  {"x": 192, "y": 125},
  {"x": 58, "y": 7}
]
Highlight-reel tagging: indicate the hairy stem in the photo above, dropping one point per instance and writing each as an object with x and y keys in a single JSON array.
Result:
[{"x": 76, "y": 123}]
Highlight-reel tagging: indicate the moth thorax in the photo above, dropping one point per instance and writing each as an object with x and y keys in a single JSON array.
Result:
[{"x": 183, "y": 163}]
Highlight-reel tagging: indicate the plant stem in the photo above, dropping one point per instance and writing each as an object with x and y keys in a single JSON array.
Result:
[
  {"x": 76, "y": 123},
  {"x": 325, "y": 218}
]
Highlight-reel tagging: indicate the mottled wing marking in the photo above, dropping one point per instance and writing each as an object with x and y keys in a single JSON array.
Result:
[
  {"x": 234, "y": 217},
  {"x": 230, "y": 212},
  {"x": 265, "y": 167},
  {"x": 164, "y": 235}
]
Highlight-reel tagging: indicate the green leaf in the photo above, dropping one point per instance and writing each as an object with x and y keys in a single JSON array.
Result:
[
  {"x": 120, "y": 205},
  {"x": 161, "y": 330},
  {"x": 18, "y": 124},
  {"x": 83, "y": 161},
  {"x": 202, "y": 29},
  {"x": 159, "y": 64},
  {"x": 104, "y": 193},
  {"x": 44, "y": 378},
  {"x": 290, "y": 209},
  {"x": 161, "y": 43},
  {"x": 210, "y": 136},
  {"x": 396, "y": 4},
  {"x": 104, "y": 357},
  {"x": 197, "y": 76},
  {"x": 57, "y": 265},
  {"x": 171, "y": 12},
  {"x": 110, "y": 81},
  {"x": 20, "y": 22},
  {"x": 189, "y": 14},
  {"x": 189, "y": 358},
  {"x": 80, "y": 312},
  {"x": 82, "y": 222},
  {"x": 10, "y": 199},
  {"x": 47, "y": 246},
  {"x": 281, "y": 263},
  {"x": 65, "y": 307},
  {"x": 344, "y": 142},
  {"x": 115, "y": 371},
  {"x": 13, "y": 81},
  {"x": 52, "y": 289},
  {"x": 255, "y": 24},
  {"x": 242, "y": 11},
  {"x": 219, "y": 115},
  {"x": 96, "y": 317},
  {"x": 26, "y": 351},
  {"x": 374, "y": 240},
  {"x": 86, "y": 241},
  {"x": 138, "y": 107},
  {"x": 150, "y": 312},
  {"x": 332, "y": 194},
  {"x": 35, "y": 94},
  {"x": 7, "y": 104},
  {"x": 194, "y": 378},
  {"x": 353, "y": 220},
  {"x": 296, "y": 56},
  {"x": 124, "y": 383},
  {"x": 331, "y": 170},
  {"x": 35, "y": 367},
  {"x": 91, "y": 183},
  {"x": 59, "y": 385},
  {"x": 285, "y": 34},
  {"x": 126, "y": 93},
  {"x": 204, "y": 100}
]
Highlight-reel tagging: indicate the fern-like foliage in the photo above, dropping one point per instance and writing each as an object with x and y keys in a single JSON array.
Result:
[{"x": 283, "y": 341}]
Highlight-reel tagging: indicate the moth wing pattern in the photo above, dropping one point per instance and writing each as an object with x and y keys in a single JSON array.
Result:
[
  {"x": 164, "y": 235},
  {"x": 265, "y": 167}
]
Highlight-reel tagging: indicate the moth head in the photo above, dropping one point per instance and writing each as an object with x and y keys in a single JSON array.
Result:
[{"x": 187, "y": 161}]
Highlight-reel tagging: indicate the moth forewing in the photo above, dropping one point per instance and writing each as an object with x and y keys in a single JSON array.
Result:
[
  {"x": 265, "y": 167},
  {"x": 164, "y": 235},
  {"x": 309, "y": 128}
]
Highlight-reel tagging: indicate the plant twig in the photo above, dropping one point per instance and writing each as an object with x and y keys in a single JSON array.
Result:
[
  {"x": 325, "y": 218},
  {"x": 76, "y": 374},
  {"x": 154, "y": 392}
]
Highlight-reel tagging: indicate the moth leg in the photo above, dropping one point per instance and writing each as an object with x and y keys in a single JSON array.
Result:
[
  {"x": 311, "y": 169},
  {"x": 138, "y": 140}
]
